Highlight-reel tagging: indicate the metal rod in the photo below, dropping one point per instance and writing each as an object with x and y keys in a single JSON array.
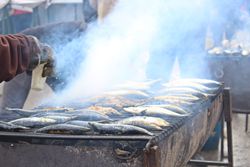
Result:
[
  {"x": 230, "y": 143},
  {"x": 211, "y": 163},
  {"x": 12, "y": 135},
  {"x": 246, "y": 123},
  {"x": 240, "y": 111},
  {"x": 227, "y": 110},
  {"x": 222, "y": 139}
]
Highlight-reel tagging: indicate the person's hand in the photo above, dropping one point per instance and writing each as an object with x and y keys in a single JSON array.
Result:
[
  {"x": 47, "y": 59},
  {"x": 41, "y": 54}
]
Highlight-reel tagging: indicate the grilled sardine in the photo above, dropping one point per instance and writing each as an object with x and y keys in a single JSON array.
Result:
[
  {"x": 151, "y": 111},
  {"x": 64, "y": 129},
  {"x": 104, "y": 110},
  {"x": 27, "y": 113},
  {"x": 179, "y": 97},
  {"x": 88, "y": 115},
  {"x": 171, "y": 107},
  {"x": 5, "y": 126},
  {"x": 33, "y": 122},
  {"x": 118, "y": 129},
  {"x": 145, "y": 121},
  {"x": 185, "y": 90}
]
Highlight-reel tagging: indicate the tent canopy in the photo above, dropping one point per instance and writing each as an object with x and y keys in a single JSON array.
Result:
[
  {"x": 34, "y": 3},
  {"x": 3, "y": 3}
]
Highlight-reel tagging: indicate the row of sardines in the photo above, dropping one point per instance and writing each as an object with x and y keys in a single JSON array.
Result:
[
  {"x": 234, "y": 51},
  {"x": 134, "y": 108}
]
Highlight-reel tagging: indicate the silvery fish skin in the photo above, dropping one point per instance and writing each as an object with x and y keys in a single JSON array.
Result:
[
  {"x": 81, "y": 114},
  {"x": 60, "y": 119},
  {"x": 209, "y": 84},
  {"x": 171, "y": 107},
  {"x": 64, "y": 129},
  {"x": 141, "y": 124},
  {"x": 151, "y": 111},
  {"x": 27, "y": 113},
  {"x": 80, "y": 123},
  {"x": 189, "y": 84},
  {"x": 45, "y": 114},
  {"x": 179, "y": 97},
  {"x": 119, "y": 129},
  {"x": 104, "y": 110},
  {"x": 185, "y": 90},
  {"x": 119, "y": 102},
  {"x": 56, "y": 109},
  {"x": 5, "y": 126},
  {"x": 205, "y": 82},
  {"x": 22, "y": 112},
  {"x": 178, "y": 102},
  {"x": 87, "y": 115},
  {"x": 145, "y": 120},
  {"x": 33, "y": 122}
]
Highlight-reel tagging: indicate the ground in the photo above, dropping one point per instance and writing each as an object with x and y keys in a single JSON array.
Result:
[{"x": 241, "y": 143}]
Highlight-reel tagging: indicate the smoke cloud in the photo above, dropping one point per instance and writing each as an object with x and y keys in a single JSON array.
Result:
[{"x": 140, "y": 40}]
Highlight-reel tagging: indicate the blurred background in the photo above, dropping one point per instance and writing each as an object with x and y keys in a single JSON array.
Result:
[{"x": 18, "y": 15}]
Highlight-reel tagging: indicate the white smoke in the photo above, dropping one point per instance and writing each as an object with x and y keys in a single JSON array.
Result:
[{"x": 134, "y": 34}]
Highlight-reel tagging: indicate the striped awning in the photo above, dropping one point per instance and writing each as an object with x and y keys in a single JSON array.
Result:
[{"x": 3, "y": 3}]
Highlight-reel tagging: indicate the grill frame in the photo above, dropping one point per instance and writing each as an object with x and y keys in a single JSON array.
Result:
[{"x": 168, "y": 149}]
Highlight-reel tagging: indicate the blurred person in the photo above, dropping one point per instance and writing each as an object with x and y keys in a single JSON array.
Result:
[
  {"x": 61, "y": 31},
  {"x": 57, "y": 34},
  {"x": 16, "y": 91},
  {"x": 19, "y": 18},
  {"x": 21, "y": 53},
  {"x": 97, "y": 9}
]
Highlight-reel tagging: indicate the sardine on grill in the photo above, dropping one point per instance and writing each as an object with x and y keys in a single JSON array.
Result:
[
  {"x": 60, "y": 119},
  {"x": 118, "y": 129},
  {"x": 179, "y": 102},
  {"x": 119, "y": 102},
  {"x": 46, "y": 114},
  {"x": 185, "y": 90},
  {"x": 193, "y": 85},
  {"x": 172, "y": 107},
  {"x": 80, "y": 123},
  {"x": 5, "y": 126},
  {"x": 104, "y": 110},
  {"x": 151, "y": 111},
  {"x": 80, "y": 114},
  {"x": 88, "y": 115},
  {"x": 64, "y": 129},
  {"x": 33, "y": 122},
  {"x": 206, "y": 82},
  {"x": 145, "y": 121},
  {"x": 27, "y": 113},
  {"x": 179, "y": 97},
  {"x": 141, "y": 124}
]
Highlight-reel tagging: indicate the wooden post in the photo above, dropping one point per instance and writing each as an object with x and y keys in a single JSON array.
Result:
[
  {"x": 104, "y": 7},
  {"x": 227, "y": 110}
]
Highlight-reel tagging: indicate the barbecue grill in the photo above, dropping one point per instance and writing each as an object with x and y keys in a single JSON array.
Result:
[
  {"x": 173, "y": 147},
  {"x": 233, "y": 71}
]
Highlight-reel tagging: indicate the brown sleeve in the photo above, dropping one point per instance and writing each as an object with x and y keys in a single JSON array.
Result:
[{"x": 15, "y": 54}]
